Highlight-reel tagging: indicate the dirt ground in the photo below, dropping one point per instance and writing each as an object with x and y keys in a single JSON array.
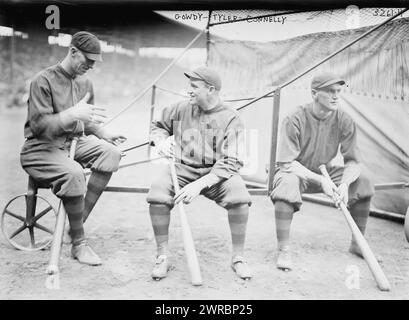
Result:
[{"x": 120, "y": 231}]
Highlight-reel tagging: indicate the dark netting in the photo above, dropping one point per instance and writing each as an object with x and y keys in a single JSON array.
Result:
[{"x": 376, "y": 69}]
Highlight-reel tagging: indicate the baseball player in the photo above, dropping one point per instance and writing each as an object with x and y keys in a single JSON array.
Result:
[
  {"x": 60, "y": 107},
  {"x": 206, "y": 136},
  {"x": 312, "y": 136}
]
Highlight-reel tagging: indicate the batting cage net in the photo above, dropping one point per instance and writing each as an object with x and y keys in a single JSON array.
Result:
[{"x": 266, "y": 49}]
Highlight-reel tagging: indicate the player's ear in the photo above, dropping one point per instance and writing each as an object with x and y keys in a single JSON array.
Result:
[
  {"x": 212, "y": 89},
  {"x": 73, "y": 51},
  {"x": 313, "y": 93}
]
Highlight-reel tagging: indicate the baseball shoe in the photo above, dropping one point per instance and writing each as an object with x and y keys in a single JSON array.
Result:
[
  {"x": 84, "y": 254},
  {"x": 161, "y": 267},
  {"x": 240, "y": 267},
  {"x": 354, "y": 249},
  {"x": 284, "y": 261}
]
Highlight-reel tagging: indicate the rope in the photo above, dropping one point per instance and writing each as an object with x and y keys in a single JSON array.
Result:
[
  {"x": 173, "y": 92},
  {"x": 157, "y": 78}
]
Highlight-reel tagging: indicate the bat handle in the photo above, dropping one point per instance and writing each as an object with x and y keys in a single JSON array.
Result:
[
  {"x": 325, "y": 173},
  {"x": 73, "y": 147}
]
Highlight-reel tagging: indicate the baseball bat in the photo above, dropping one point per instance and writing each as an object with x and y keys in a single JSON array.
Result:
[
  {"x": 369, "y": 257},
  {"x": 189, "y": 245},
  {"x": 53, "y": 265}
]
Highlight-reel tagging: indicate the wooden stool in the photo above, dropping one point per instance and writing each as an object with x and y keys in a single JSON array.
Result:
[{"x": 18, "y": 228}]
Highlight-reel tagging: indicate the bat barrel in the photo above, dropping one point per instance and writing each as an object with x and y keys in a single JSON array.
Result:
[
  {"x": 380, "y": 278},
  {"x": 57, "y": 241},
  {"x": 192, "y": 261}
]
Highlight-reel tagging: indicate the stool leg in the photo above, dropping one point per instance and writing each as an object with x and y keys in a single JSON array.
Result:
[
  {"x": 31, "y": 203},
  {"x": 31, "y": 200}
]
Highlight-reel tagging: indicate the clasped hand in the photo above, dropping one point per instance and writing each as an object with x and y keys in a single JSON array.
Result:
[{"x": 338, "y": 194}]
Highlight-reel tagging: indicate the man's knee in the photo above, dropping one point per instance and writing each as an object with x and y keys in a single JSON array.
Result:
[
  {"x": 232, "y": 193},
  {"x": 71, "y": 184},
  {"x": 286, "y": 187},
  {"x": 109, "y": 158},
  {"x": 360, "y": 189},
  {"x": 160, "y": 193}
]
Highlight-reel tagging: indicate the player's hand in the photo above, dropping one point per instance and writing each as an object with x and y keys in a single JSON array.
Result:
[
  {"x": 88, "y": 113},
  {"x": 189, "y": 192},
  {"x": 114, "y": 138},
  {"x": 342, "y": 192},
  {"x": 167, "y": 147},
  {"x": 328, "y": 189}
]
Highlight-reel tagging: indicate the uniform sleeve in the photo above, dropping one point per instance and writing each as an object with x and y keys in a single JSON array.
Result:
[
  {"x": 348, "y": 139},
  {"x": 43, "y": 120},
  {"x": 232, "y": 150},
  {"x": 163, "y": 127},
  {"x": 289, "y": 142}
]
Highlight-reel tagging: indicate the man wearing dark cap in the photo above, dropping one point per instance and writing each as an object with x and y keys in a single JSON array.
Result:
[
  {"x": 312, "y": 136},
  {"x": 205, "y": 137},
  {"x": 60, "y": 107}
]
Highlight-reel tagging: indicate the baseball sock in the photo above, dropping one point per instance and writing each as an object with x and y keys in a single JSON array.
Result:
[
  {"x": 160, "y": 217},
  {"x": 360, "y": 213},
  {"x": 238, "y": 217},
  {"x": 96, "y": 185},
  {"x": 283, "y": 215},
  {"x": 74, "y": 206}
]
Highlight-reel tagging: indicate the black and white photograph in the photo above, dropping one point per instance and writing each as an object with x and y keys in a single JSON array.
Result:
[{"x": 196, "y": 151}]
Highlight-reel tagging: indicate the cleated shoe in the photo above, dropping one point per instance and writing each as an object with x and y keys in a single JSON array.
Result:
[
  {"x": 84, "y": 254},
  {"x": 354, "y": 249},
  {"x": 284, "y": 261},
  {"x": 240, "y": 267},
  {"x": 161, "y": 268}
]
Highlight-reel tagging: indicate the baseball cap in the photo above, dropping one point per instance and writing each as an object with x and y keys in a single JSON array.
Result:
[
  {"x": 325, "y": 79},
  {"x": 207, "y": 75},
  {"x": 88, "y": 44}
]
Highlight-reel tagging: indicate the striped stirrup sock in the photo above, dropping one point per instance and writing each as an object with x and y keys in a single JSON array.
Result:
[
  {"x": 284, "y": 212},
  {"x": 96, "y": 185},
  {"x": 238, "y": 217},
  {"x": 160, "y": 217},
  {"x": 360, "y": 213},
  {"x": 74, "y": 206}
]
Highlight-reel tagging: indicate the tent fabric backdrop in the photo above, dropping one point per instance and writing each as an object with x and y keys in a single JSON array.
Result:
[{"x": 376, "y": 96}]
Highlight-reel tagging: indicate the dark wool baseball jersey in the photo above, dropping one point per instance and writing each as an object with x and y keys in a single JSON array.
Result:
[
  {"x": 312, "y": 141},
  {"x": 203, "y": 139},
  {"x": 52, "y": 91}
]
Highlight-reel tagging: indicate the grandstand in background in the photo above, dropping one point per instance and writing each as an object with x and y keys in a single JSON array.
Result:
[{"x": 138, "y": 45}]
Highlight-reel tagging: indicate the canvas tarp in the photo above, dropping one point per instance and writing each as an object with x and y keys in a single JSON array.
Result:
[{"x": 377, "y": 94}]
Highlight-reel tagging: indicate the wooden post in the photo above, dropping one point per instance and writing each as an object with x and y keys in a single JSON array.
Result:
[
  {"x": 208, "y": 38},
  {"x": 273, "y": 141},
  {"x": 153, "y": 97},
  {"x": 12, "y": 61}
]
